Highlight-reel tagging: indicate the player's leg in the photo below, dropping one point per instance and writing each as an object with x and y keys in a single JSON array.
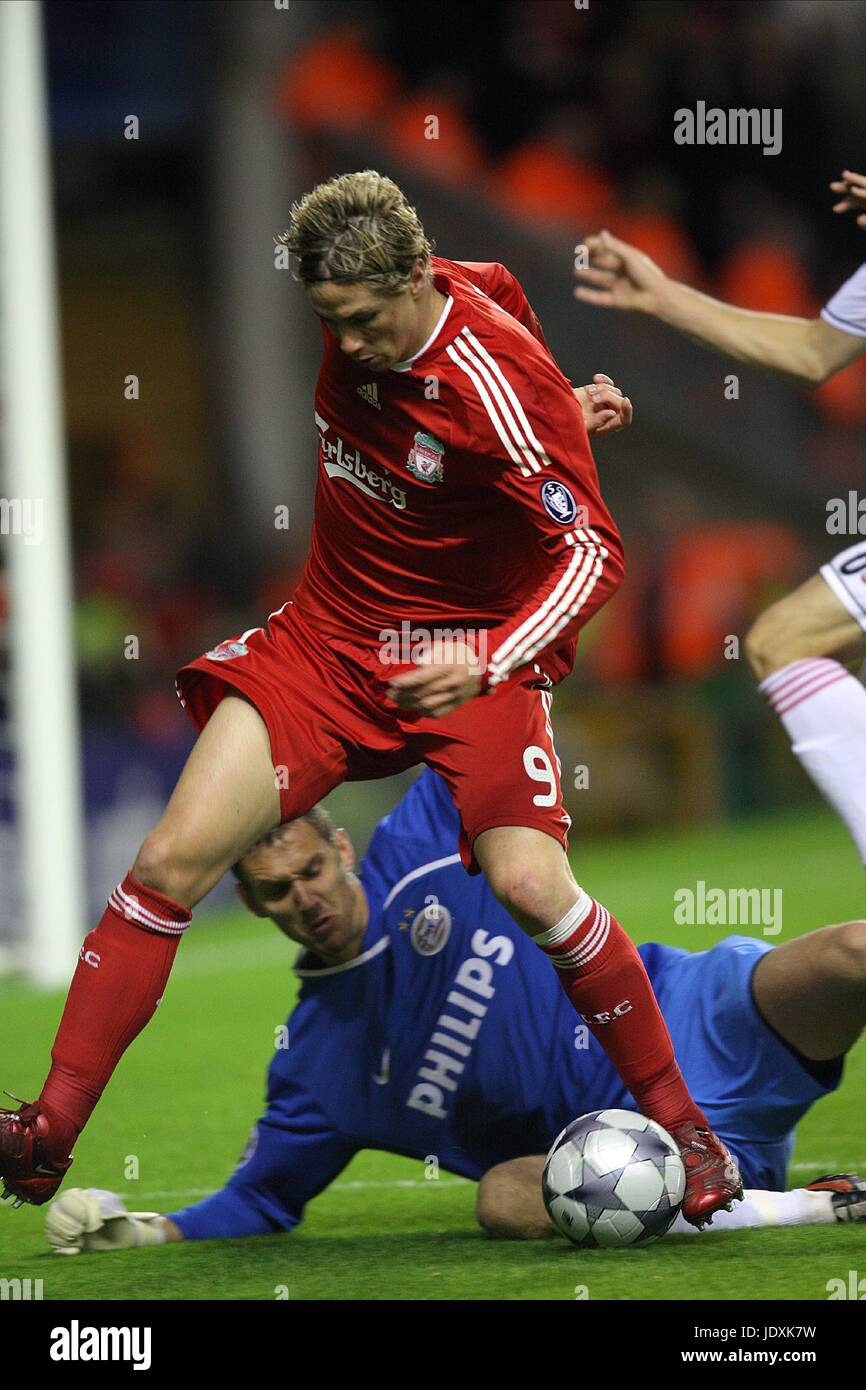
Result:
[
  {"x": 796, "y": 649},
  {"x": 604, "y": 977},
  {"x": 225, "y": 799},
  {"x": 810, "y": 622},
  {"x": 509, "y": 1205},
  {"x": 509, "y": 797},
  {"x": 812, "y": 991},
  {"x": 228, "y": 796}
]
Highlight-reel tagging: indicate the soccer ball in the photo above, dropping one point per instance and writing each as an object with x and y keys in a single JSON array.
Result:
[{"x": 613, "y": 1178}]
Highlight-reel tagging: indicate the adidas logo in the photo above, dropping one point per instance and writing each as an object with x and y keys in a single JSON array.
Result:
[{"x": 370, "y": 393}]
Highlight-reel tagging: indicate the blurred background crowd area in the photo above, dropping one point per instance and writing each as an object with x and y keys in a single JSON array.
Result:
[{"x": 551, "y": 120}]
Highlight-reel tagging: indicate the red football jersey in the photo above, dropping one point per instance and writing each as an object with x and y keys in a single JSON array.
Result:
[{"x": 458, "y": 490}]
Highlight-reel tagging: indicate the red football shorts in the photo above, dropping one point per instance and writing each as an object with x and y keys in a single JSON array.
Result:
[{"x": 330, "y": 721}]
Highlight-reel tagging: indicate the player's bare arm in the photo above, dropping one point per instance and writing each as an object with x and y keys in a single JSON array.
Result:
[{"x": 620, "y": 276}]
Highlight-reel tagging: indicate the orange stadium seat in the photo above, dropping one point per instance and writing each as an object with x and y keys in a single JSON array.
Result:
[
  {"x": 335, "y": 83},
  {"x": 662, "y": 239},
  {"x": 762, "y": 274},
  {"x": 430, "y": 132},
  {"x": 717, "y": 578},
  {"x": 842, "y": 399},
  {"x": 540, "y": 181}
]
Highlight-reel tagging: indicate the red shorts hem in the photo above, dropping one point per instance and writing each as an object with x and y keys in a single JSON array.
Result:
[
  {"x": 200, "y": 692},
  {"x": 329, "y": 721},
  {"x": 467, "y": 847}
]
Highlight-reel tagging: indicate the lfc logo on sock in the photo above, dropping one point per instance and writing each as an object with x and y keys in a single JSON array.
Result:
[{"x": 608, "y": 1016}]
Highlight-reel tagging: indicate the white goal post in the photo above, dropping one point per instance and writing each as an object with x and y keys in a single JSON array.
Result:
[{"x": 34, "y": 518}]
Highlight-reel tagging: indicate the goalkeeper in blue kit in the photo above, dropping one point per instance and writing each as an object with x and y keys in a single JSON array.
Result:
[{"x": 428, "y": 1024}]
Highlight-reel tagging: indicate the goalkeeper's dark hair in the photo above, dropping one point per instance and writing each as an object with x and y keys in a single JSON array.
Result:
[{"x": 317, "y": 817}]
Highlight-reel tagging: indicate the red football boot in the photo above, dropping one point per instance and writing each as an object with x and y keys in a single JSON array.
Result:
[
  {"x": 712, "y": 1177},
  {"x": 848, "y": 1194},
  {"x": 26, "y": 1170}
]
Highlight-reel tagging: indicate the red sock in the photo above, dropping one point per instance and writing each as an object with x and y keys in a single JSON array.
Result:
[
  {"x": 122, "y": 970},
  {"x": 604, "y": 977}
]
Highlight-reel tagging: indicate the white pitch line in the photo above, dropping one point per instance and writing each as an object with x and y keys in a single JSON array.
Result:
[
  {"x": 356, "y": 1185},
  {"x": 836, "y": 1165},
  {"x": 406, "y": 1182},
  {"x": 176, "y": 1192},
  {"x": 361, "y": 1184}
]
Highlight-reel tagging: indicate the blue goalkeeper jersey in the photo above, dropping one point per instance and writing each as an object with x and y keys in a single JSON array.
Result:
[{"x": 450, "y": 1035}]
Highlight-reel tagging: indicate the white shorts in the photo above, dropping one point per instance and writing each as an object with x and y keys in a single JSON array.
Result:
[{"x": 846, "y": 575}]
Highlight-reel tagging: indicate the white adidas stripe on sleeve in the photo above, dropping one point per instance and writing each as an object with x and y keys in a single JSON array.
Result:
[
  {"x": 561, "y": 605},
  {"x": 514, "y": 430}
]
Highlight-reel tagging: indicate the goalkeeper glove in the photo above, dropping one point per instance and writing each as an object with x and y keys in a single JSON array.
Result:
[{"x": 88, "y": 1219}]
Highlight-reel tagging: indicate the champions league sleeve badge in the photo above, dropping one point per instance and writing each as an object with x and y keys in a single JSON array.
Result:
[
  {"x": 558, "y": 502},
  {"x": 426, "y": 461}
]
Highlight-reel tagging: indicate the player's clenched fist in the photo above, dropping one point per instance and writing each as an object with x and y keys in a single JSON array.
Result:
[
  {"x": 604, "y": 407},
  {"x": 853, "y": 186},
  {"x": 618, "y": 276},
  {"x": 439, "y": 684}
]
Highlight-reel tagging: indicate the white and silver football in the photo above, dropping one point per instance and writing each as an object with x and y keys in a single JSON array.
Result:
[{"x": 613, "y": 1178}]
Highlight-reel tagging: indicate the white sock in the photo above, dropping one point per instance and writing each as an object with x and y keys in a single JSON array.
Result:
[
  {"x": 797, "y": 1208},
  {"x": 823, "y": 708}
]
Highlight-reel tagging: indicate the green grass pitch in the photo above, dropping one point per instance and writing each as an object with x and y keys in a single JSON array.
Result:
[{"x": 183, "y": 1099}]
